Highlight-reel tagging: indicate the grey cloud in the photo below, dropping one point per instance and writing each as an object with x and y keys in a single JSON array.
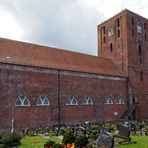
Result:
[{"x": 65, "y": 24}]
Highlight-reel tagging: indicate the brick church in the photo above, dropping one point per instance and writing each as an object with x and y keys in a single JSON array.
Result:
[{"x": 43, "y": 86}]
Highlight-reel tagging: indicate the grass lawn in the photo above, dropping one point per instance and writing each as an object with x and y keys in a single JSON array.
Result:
[
  {"x": 38, "y": 142},
  {"x": 35, "y": 141},
  {"x": 141, "y": 142}
]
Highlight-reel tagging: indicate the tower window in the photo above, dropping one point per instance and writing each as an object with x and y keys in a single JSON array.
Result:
[
  {"x": 145, "y": 36},
  {"x": 132, "y": 20},
  {"x": 141, "y": 76},
  {"x": 145, "y": 26},
  {"x": 110, "y": 32},
  {"x": 140, "y": 54},
  {"x": 139, "y": 50},
  {"x": 111, "y": 47},
  {"x": 104, "y": 39},
  {"x": 139, "y": 29},
  {"x": 118, "y": 33},
  {"x": 118, "y": 22},
  {"x": 133, "y": 32},
  {"x": 104, "y": 30}
]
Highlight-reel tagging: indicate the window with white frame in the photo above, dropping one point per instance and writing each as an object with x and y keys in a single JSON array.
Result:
[
  {"x": 88, "y": 101},
  {"x": 42, "y": 101},
  {"x": 120, "y": 100},
  {"x": 108, "y": 100},
  {"x": 22, "y": 101},
  {"x": 110, "y": 32},
  {"x": 71, "y": 101},
  {"x": 139, "y": 29}
]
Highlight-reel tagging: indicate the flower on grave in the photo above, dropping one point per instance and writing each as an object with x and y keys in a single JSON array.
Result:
[{"x": 71, "y": 145}]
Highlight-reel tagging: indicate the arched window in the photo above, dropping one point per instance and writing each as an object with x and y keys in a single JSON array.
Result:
[
  {"x": 141, "y": 76},
  {"x": 120, "y": 100},
  {"x": 42, "y": 101},
  {"x": 88, "y": 101},
  {"x": 140, "y": 54},
  {"x": 22, "y": 101},
  {"x": 118, "y": 22},
  {"x": 71, "y": 101},
  {"x": 111, "y": 47},
  {"x": 108, "y": 100}
]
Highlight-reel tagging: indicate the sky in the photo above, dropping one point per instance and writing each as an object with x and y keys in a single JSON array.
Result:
[{"x": 65, "y": 24}]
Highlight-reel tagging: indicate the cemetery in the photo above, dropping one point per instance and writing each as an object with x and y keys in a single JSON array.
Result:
[{"x": 121, "y": 134}]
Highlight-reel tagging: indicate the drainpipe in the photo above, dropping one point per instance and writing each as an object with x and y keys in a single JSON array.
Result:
[{"x": 59, "y": 105}]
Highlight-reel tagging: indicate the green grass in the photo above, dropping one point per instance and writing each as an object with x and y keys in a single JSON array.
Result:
[
  {"x": 141, "y": 142},
  {"x": 27, "y": 142},
  {"x": 36, "y": 141}
]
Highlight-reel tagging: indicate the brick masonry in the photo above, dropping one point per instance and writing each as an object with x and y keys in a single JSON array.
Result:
[
  {"x": 126, "y": 53},
  {"x": 33, "y": 82}
]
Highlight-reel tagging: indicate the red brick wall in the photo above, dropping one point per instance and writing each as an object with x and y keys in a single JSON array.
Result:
[
  {"x": 33, "y": 82},
  {"x": 119, "y": 43},
  {"x": 98, "y": 89},
  {"x": 125, "y": 49},
  {"x": 139, "y": 88}
]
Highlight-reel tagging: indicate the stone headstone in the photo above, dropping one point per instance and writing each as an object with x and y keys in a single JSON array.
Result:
[
  {"x": 73, "y": 129},
  {"x": 56, "y": 130},
  {"x": 80, "y": 130},
  {"x": 137, "y": 127},
  {"x": 124, "y": 131},
  {"x": 105, "y": 140},
  {"x": 132, "y": 127},
  {"x": 62, "y": 131}
]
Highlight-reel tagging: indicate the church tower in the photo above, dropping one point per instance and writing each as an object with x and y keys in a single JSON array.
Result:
[{"x": 124, "y": 39}]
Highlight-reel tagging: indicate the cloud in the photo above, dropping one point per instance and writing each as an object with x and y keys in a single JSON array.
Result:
[{"x": 68, "y": 24}]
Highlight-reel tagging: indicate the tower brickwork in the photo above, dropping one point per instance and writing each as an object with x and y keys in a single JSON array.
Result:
[{"x": 124, "y": 39}]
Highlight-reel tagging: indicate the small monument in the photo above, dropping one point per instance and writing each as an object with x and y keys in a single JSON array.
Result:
[{"x": 105, "y": 140}]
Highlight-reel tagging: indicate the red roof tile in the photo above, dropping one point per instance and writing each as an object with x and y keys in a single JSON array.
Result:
[{"x": 21, "y": 53}]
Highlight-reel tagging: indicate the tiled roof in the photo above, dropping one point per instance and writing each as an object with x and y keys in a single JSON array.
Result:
[{"x": 21, "y": 53}]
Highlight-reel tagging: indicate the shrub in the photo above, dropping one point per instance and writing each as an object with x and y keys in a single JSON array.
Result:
[
  {"x": 68, "y": 138},
  {"x": 119, "y": 140},
  {"x": 52, "y": 133},
  {"x": 93, "y": 134},
  {"x": 9, "y": 139},
  {"x": 96, "y": 127},
  {"x": 81, "y": 141},
  {"x": 31, "y": 133}
]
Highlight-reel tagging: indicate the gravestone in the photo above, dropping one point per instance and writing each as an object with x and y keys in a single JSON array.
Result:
[
  {"x": 73, "y": 129},
  {"x": 62, "y": 131},
  {"x": 56, "y": 130},
  {"x": 80, "y": 130},
  {"x": 132, "y": 127},
  {"x": 124, "y": 132},
  {"x": 138, "y": 126},
  {"x": 105, "y": 140},
  {"x": 87, "y": 126}
]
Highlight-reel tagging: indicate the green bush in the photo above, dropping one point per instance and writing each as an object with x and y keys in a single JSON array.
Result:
[
  {"x": 9, "y": 139},
  {"x": 51, "y": 132},
  {"x": 96, "y": 127},
  {"x": 119, "y": 140},
  {"x": 31, "y": 133},
  {"x": 81, "y": 141},
  {"x": 93, "y": 134},
  {"x": 68, "y": 138}
]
